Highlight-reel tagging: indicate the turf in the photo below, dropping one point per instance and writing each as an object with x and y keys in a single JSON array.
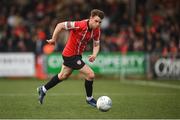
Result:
[{"x": 131, "y": 99}]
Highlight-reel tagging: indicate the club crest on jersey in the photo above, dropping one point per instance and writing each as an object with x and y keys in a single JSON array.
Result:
[{"x": 79, "y": 62}]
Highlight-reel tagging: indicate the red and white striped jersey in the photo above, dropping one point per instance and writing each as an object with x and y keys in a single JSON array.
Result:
[{"x": 79, "y": 36}]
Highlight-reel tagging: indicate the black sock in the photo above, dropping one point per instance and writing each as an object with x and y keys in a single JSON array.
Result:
[
  {"x": 89, "y": 88},
  {"x": 55, "y": 80}
]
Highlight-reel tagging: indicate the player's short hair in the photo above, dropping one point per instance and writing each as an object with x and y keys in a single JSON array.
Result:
[{"x": 96, "y": 12}]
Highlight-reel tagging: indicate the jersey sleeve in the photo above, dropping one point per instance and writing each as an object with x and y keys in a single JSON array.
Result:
[
  {"x": 97, "y": 36},
  {"x": 69, "y": 25}
]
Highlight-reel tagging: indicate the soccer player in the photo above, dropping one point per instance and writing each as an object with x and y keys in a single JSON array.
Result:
[{"x": 81, "y": 32}]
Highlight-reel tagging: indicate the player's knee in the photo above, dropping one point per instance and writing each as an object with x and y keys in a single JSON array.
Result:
[{"x": 91, "y": 76}]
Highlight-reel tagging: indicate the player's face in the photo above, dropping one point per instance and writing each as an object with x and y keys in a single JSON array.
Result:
[{"x": 95, "y": 22}]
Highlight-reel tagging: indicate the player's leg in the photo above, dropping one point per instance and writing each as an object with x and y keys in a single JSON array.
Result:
[
  {"x": 89, "y": 77},
  {"x": 64, "y": 74}
]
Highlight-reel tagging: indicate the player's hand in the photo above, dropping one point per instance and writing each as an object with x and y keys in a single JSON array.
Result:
[
  {"x": 92, "y": 58},
  {"x": 50, "y": 41}
]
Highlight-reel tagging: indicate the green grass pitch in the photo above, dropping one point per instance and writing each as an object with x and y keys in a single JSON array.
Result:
[{"x": 130, "y": 99}]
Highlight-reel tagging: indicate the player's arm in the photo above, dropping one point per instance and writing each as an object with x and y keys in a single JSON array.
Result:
[
  {"x": 96, "y": 47},
  {"x": 59, "y": 27}
]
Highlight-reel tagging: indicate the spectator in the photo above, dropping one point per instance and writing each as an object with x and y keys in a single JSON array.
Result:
[{"x": 25, "y": 25}]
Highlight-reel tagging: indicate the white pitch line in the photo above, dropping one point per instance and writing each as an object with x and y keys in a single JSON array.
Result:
[
  {"x": 150, "y": 83},
  {"x": 81, "y": 94}
]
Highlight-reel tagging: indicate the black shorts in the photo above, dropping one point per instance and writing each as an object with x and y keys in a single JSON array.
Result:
[{"x": 74, "y": 62}]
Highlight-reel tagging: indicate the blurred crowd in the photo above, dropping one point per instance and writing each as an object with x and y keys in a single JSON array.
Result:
[{"x": 150, "y": 26}]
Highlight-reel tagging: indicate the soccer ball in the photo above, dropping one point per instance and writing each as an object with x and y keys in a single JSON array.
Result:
[{"x": 104, "y": 103}]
